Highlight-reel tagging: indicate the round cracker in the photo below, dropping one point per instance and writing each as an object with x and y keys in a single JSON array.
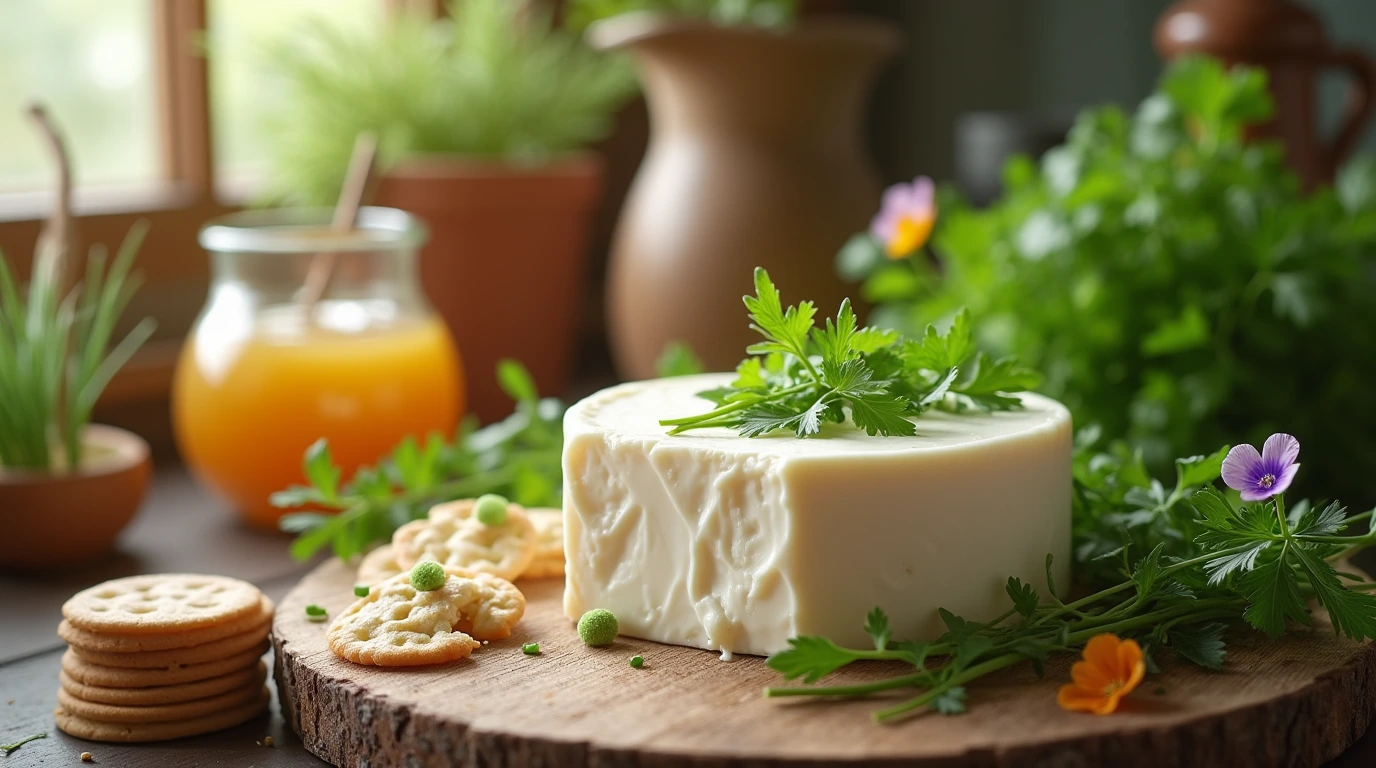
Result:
[
  {"x": 116, "y": 677},
  {"x": 397, "y": 625},
  {"x": 179, "y": 657},
  {"x": 378, "y": 565},
  {"x": 161, "y": 603},
  {"x": 129, "y": 643},
  {"x": 82, "y": 728},
  {"x": 248, "y": 677},
  {"x": 156, "y": 713},
  {"x": 493, "y": 608},
  {"x": 452, "y": 535}
]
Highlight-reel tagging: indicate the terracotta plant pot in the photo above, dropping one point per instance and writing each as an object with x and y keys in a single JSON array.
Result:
[
  {"x": 506, "y": 265},
  {"x": 755, "y": 159},
  {"x": 63, "y": 519}
]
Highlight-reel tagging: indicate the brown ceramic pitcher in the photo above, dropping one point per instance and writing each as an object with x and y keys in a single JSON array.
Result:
[
  {"x": 755, "y": 159},
  {"x": 1289, "y": 42}
]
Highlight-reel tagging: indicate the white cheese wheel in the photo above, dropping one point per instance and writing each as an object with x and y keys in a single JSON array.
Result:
[{"x": 734, "y": 544}]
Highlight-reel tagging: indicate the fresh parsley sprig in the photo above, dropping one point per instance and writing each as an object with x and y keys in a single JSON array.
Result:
[
  {"x": 518, "y": 458},
  {"x": 1213, "y": 566},
  {"x": 804, "y": 375}
]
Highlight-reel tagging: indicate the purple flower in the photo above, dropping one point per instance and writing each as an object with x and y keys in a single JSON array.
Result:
[
  {"x": 1262, "y": 475},
  {"x": 906, "y": 218}
]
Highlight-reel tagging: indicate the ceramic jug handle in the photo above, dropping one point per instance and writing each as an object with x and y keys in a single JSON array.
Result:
[{"x": 1361, "y": 98}]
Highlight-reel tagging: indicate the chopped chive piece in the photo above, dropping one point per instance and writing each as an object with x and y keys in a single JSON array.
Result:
[
  {"x": 531, "y": 649},
  {"x": 360, "y": 590},
  {"x": 637, "y": 661},
  {"x": 315, "y": 613},
  {"x": 8, "y": 748}
]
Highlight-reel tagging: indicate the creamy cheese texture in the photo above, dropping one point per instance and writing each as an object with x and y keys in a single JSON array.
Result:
[{"x": 735, "y": 544}]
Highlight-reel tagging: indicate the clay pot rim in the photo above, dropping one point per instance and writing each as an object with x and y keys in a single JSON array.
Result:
[
  {"x": 628, "y": 28},
  {"x": 128, "y": 451},
  {"x": 577, "y": 164}
]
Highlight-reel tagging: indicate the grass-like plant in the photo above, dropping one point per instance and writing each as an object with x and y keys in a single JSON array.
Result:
[
  {"x": 55, "y": 342},
  {"x": 495, "y": 79},
  {"x": 760, "y": 13}
]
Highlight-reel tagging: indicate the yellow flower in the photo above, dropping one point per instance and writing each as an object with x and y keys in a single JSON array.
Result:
[
  {"x": 1111, "y": 669},
  {"x": 905, "y": 218}
]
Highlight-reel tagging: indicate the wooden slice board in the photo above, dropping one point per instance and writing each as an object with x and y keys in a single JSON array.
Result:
[{"x": 1295, "y": 702}]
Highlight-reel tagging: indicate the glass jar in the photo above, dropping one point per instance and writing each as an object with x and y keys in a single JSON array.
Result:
[{"x": 265, "y": 373}]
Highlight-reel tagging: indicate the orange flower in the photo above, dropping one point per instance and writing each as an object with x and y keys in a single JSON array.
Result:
[{"x": 1111, "y": 670}]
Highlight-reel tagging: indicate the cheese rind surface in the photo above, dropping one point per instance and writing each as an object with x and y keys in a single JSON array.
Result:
[{"x": 735, "y": 544}]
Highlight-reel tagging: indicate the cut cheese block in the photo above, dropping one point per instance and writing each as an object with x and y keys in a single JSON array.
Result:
[{"x": 735, "y": 544}]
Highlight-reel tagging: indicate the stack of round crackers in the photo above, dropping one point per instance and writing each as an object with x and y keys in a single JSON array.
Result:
[{"x": 162, "y": 656}]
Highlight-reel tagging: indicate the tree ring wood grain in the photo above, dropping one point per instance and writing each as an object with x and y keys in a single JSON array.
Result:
[{"x": 1294, "y": 702}]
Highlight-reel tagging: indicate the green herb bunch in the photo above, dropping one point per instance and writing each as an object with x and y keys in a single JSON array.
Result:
[
  {"x": 760, "y": 13},
  {"x": 498, "y": 79},
  {"x": 1216, "y": 566},
  {"x": 518, "y": 458},
  {"x": 803, "y": 376},
  {"x": 1173, "y": 283}
]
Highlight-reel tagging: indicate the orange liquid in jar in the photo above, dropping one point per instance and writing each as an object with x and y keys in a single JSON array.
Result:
[{"x": 246, "y": 410}]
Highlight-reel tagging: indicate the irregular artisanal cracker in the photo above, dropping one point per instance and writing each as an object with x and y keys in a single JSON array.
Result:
[
  {"x": 549, "y": 548},
  {"x": 129, "y": 643},
  {"x": 155, "y": 713},
  {"x": 452, "y": 535},
  {"x": 161, "y": 603},
  {"x": 178, "y": 657},
  {"x": 397, "y": 625},
  {"x": 84, "y": 728},
  {"x": 378, "y": 565},
  {"x": 248, "y": 677},
  {"x": 493, "y": 607},
  {"x": 117, "y": 677}
]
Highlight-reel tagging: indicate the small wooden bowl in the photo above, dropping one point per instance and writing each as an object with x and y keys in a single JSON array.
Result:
[{"x": 57, "y": 519}]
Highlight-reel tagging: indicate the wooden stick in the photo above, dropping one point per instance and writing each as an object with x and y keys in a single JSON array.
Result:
[
  {"x": 53, "y": 250},
  {"x": 351, "y": 196}
]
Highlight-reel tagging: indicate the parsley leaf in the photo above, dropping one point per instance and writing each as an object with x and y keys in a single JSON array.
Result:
[
  {"x": 935, "y": 351},
  {"x": 877, "y": 627},
  {"x": 810, "y": 658},
  {"x": 951, "y": 701},
  {"x": 881, "y": 414},
  {"x": 1201, "y": 644},
  {"x": 785, "y": 331},
  {"x": 1352, "y": 613},
  {"x": 1274, "y": 595},
  {"x": 1223, "y": 566},
  {"x": 875, "y": 378},
  {"x": 1024, "y": 597},
  {"x": 1324, "y": 522},
  {"x": 1198, "y": 470}
]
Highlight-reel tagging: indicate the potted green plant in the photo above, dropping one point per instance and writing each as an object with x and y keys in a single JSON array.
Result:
[
  {"x": 68, "y": 487},
  {"x": 482, "y": 118}
]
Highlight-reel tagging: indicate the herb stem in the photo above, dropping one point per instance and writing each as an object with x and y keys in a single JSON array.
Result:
[
  {"x": 8, "y": 748},
  {"x": 904, "y": 681},
  {"x": 977, "y": 671},
  {"x": 732, "y": 407}
]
